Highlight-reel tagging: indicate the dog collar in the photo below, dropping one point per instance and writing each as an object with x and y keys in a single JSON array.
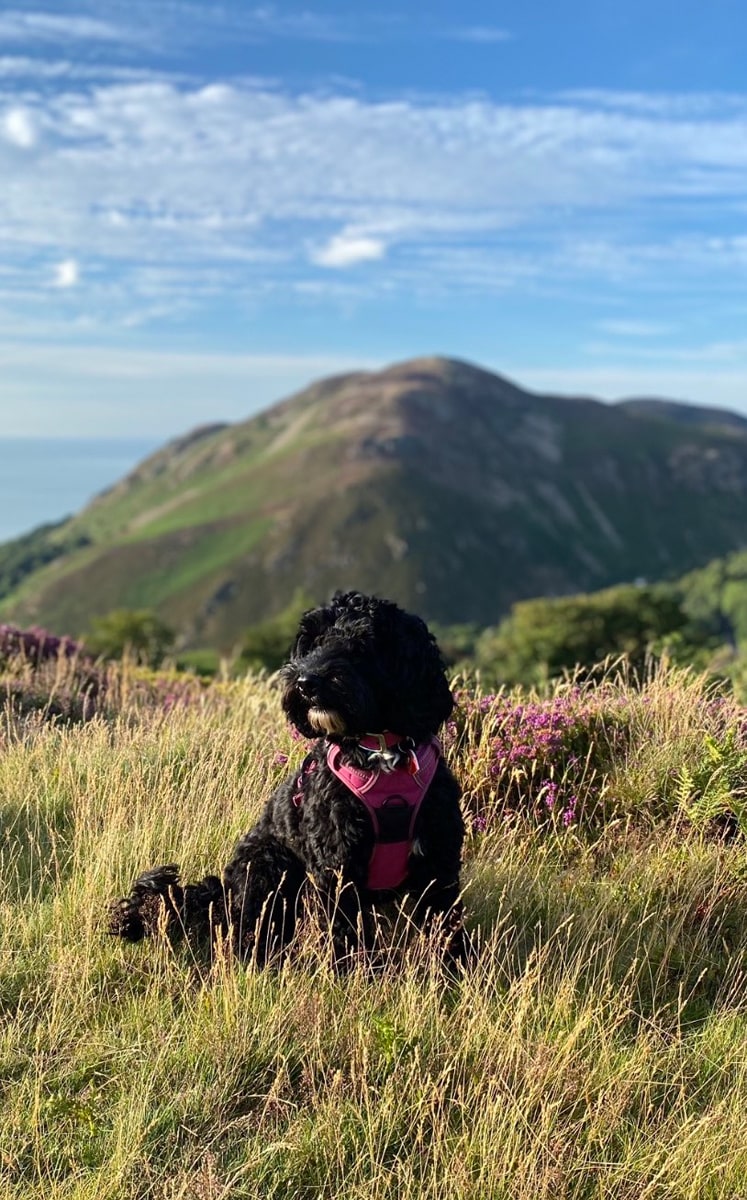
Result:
[{"x": 389, "y": 751}]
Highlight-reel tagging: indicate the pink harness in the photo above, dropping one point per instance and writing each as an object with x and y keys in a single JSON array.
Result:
[{"x": 392, "y": 799}]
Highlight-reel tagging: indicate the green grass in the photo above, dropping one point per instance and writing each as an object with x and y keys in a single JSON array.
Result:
[{"x": 596, "y": 1048}]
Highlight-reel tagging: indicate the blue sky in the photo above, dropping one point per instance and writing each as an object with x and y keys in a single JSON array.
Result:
[{"x": 204, "y": 206}]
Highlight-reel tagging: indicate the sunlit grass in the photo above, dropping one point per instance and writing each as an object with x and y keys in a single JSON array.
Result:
[{"x": 596, "y": 1046}]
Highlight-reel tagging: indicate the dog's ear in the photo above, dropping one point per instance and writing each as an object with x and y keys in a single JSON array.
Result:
[
  {"x": 312, "y": 626},
  {"x": 348, "y": 607},
  {"x": 423, "y": 699}
]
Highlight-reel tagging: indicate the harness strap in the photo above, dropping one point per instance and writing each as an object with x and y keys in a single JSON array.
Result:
[
  {"x": 391, "y": 795},
  {"x": 392, "y": 798},
  {"x": 308, "y": 766}
]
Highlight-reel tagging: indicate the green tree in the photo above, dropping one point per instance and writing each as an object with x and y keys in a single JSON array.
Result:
[
  {"x": 266, "y": 644},
  {"x": 138, "y": 632},
  {"x": 543, "y": 637}
]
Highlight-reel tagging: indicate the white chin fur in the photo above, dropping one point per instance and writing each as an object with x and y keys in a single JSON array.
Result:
[{"x": 322, "y": 720}]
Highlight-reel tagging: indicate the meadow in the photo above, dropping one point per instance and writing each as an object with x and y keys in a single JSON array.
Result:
[{"x": 595, "y": 1046}]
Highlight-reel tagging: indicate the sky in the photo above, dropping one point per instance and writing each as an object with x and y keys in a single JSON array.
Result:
[{"x": 203, "y": 206}]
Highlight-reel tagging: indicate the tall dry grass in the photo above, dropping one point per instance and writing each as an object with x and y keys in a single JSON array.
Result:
[{"x": 594, "y": 1048}]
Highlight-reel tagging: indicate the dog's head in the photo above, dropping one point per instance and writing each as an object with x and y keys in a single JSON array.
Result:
[{"x": 362, "y": 665}]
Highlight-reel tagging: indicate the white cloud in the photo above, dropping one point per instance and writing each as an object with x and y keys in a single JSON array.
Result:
[
  {"x": 63, "y": 70},
  {"x": 17, "y": 125},
  {"x": 635, "y": 329},
  {"x": 659, "y": 104},
  {"x": 347, "y": 250},
  {"x": 66, "y": 273},
  {"x": 724, "y": 352},
  {"x": 305, "y": 25},
  {"x": 19, "y": 26},
  {"x": 174, "y": 181},
  {"x": 170, "y": 24},
  {"x": 252, "y": 151}
]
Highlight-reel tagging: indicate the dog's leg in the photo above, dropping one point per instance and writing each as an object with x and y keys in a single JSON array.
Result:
[
  {"x": 439, "y": 913},
  {"x": 264, "y": 880},
  {"x": 351, "y": 923},
  {"x": 157, "y": 898}
]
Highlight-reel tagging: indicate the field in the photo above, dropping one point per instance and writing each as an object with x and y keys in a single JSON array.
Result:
[{"x": 595, "y": 1047}]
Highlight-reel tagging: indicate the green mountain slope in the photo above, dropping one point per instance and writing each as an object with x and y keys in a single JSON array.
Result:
[{"x": 437, "y": 483}]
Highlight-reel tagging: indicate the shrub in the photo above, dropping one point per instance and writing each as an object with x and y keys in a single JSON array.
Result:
[
  {"x": 265, "y": 645},
  {"x": 542, "y": 638},
  {"x": 136, "y": 632},
  {"x": 36, "y": 644}
]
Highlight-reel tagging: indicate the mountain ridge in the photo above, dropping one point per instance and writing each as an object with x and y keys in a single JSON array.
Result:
[{"x": 439, "y": 483}]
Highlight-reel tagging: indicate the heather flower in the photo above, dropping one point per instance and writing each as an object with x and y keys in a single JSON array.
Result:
[
  {"x": 569, "y": 813},
  {"x": 549, "y": 793},
  {"x": 538, "y": 756},
  {"x": 36, "y": 644}
]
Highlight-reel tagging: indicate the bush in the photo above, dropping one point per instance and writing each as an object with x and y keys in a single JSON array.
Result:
[
  {"x": 265, "y": 646},
  {"x": 542, "y": 638},
  {"x": 35, "y": 644},
  {"x": 137, "y": 632}
]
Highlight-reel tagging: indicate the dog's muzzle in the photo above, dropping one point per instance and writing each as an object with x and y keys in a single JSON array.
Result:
[{"x": 325, "y": 720}]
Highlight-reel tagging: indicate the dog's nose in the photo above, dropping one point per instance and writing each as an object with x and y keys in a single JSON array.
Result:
[{"x": 308, "y": 685}]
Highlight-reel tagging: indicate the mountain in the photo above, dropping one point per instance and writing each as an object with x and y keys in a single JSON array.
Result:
[
  {"x": 434, "y": 482},
  {"x": 687, "y": 414}
]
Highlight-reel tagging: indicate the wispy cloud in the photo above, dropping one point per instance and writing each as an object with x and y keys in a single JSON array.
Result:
[
  {"x": 18, "y": 25},
  {"x": 635, "y": 329},
  {"x": 16, "y": 68},
  {"x": 721, "y": 388},
  {"x": 486, "y": 35},
  {"x": 59, "y": 388},
  {"x": 175, "y": 24},
  {"x": 173, "y": 192},
  {"x": 724, "y": 353},
  {"x": 305, "y": 25}
]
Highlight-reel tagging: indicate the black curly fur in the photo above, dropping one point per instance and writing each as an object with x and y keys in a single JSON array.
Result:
[{"x": 358, "y": 665}]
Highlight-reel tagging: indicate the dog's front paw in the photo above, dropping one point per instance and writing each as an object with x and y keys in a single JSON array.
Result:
[
  {"x": 156, "y": 896},
  {"x": 125, "y": 919}
]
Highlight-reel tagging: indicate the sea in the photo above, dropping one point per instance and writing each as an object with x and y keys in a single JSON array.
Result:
[{"x": 46, "y": 479}]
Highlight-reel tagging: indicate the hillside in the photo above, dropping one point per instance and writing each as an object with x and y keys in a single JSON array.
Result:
[{"x": 442, "y": 485}]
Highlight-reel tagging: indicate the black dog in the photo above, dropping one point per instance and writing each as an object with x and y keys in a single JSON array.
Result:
[{"x": 373, "y": 813}]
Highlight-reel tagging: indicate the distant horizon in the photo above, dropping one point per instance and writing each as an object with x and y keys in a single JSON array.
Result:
[
  {"x": 76, "y": 439},
  {"x": 41, "y": 487},
  {"x": 210, "y": 204}
]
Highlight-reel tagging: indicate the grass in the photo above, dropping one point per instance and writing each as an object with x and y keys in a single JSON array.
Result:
[{"x": 597, "y": 1047}]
